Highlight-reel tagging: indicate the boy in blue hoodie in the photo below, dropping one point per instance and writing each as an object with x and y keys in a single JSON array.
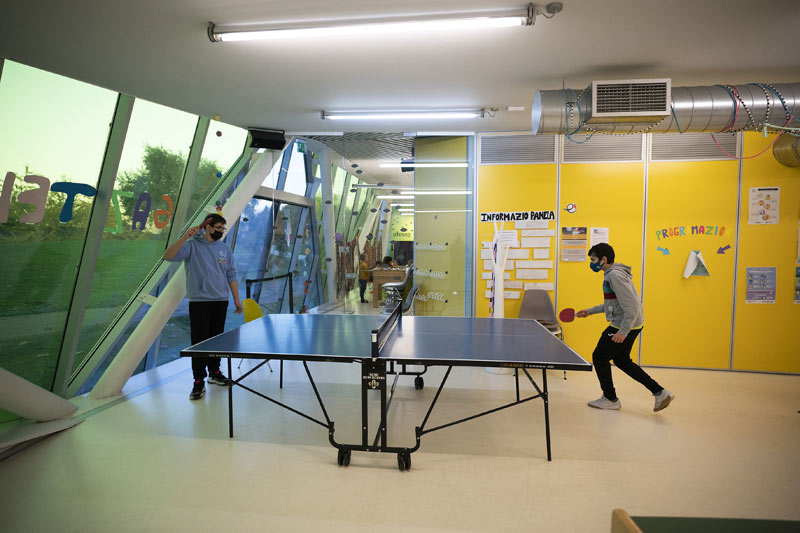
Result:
[
  {"x": 623, "y": 309},
  {"x": 209, "y": 275}
]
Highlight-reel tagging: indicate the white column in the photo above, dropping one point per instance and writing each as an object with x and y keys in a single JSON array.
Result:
[
  {"x": 328, "y": 222},
  {"x": 131, "y": 353},
  {"x": 26, "y": 399}
]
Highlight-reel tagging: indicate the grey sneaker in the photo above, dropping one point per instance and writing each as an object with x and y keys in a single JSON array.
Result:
[
  {"x": 663, "y": 399},
  {"x": 198, "y": 390},
  {"x": 604, "y": 403}
]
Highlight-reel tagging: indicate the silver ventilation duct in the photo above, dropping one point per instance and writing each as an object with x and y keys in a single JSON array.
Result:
[{"x": 714, "y": 108}]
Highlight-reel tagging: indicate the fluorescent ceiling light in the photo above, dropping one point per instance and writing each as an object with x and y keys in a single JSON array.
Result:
[
  {"x": 426, "y": 193},
  {"x": 409, "y": 195},
  {"x": 401, "y": 205},
  {"x": 404, "y": 115},
  {"x": 382, "y": 186},
  {"x": 447, "y": 211},
  {"x": 424, "y": 165},
  {"x": 431, "y": 23}
]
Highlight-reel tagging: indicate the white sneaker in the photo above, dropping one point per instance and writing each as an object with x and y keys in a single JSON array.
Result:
[
  {"x": 604, "y": 403},
  {"x": 663, "y": 399}
]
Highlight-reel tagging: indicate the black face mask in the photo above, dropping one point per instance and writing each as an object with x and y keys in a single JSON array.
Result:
[{"x": 216, "y": 235}]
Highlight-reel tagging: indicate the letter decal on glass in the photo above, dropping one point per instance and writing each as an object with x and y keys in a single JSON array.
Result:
[
  {"x": 117, "y": 210},
  {"x": 5, "y": 196},
  {"x": 140, "y": 216},
  {"x": 35, "y": 197},
  {"x": 71, "y": 189},
  {"x": 163, "y": 212}
]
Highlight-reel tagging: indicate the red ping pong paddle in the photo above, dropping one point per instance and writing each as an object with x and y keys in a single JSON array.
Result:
[{"x": 567, "y": 315}]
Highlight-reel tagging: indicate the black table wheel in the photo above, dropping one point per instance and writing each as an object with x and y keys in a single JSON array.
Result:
[
  {"x": 419, "y": 382},
  {"x": 407, "y": 460},
  {"x": 347, "y": 454},
  {"x": 401, "y": 461},
  {"x": 340, "y": 457}
]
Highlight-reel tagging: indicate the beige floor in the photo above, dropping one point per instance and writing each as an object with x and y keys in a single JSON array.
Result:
[{"x": 728, "y": 446}]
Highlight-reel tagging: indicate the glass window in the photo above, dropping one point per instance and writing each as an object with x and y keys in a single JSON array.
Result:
[
  {"x": 223, "y": 146},
  {"x": 53, "y": 136},
  {"x": 338, "y": 183},
  {"x": 296, "y": 173},
  {"x": 148, "y": 180}
]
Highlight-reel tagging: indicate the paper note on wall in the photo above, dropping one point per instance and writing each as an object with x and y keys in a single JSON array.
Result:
[
  {"x": 541, "y": 253},
  {"x": 695, "y": 265},
  {"x": 534, "y": 264},
  {"x": 535, "y": 242},
  {"x": 513, "y": 284},
  {"x": 509, "y": 237},
  {"x": 540, "y": 286},
  {"x": 486, "y": 244},
  {"x": 486, "y": 254},
  {"x": 506, "y": 275},
  {"x": 538, "y": 233},
  {"x": 489, "y": 283},
  {"x": 530, "y": 273},
  {"x": 488, "y": 294},
  {"x": 509, "y": 264},
  {"x": 573, "y": 243},
  {"x": 764, "y": 205},
  {"x": 532, "y": 224},
  {"x": 486, "y": 275},
  {"x": 598, "y": 235},
  {"x": 519, "y": 253},
  {"x": 511, "y": 295},
  {"x": 488, "y": 264}
]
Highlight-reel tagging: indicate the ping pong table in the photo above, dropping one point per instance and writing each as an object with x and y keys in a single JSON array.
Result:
[{"x": 385, "y": 346}]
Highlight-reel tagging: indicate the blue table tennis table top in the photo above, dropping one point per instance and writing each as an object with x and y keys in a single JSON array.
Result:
[{"x": 488, "y": 342}]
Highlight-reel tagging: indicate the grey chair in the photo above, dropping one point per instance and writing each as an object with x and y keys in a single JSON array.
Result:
[
  {"x": 394, "y": 290},
  {"x": 536, "y": 305}
]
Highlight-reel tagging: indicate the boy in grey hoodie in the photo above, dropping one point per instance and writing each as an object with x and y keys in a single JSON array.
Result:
[
  {"x": 209, "y": 275},
  {"x": 623, "y": 310}
]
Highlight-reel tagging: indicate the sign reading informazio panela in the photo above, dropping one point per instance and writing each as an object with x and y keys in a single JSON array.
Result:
[{"x": 517, "y": 216}]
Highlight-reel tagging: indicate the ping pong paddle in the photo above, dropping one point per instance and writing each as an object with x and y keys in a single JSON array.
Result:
[{"x": 567, "y": 315}]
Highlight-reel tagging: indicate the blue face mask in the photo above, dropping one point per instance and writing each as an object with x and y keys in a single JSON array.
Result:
[{"x": 596, "y": 267}]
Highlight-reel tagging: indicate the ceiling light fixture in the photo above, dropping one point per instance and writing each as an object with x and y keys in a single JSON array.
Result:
[
  {"x": 434, "y": 22},
  {"x": 424, "y": 165},
  {"x": 394, "y": 197},
  {"x": 406, "y": 115}
]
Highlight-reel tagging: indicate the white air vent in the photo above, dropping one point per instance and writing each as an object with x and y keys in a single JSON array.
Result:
[
  {"x": 692, "y": 146},
  {"x": 630, "y": 100},
  {"x": 603, "y": 148},
  {"x": 517, "y": 149}
]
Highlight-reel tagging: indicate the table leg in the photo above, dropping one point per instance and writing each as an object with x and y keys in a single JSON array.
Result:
[
  {"x": 230, "y": 401},
  {"x": 546, "y": 412},
  {"x": 376, "y": 293}
]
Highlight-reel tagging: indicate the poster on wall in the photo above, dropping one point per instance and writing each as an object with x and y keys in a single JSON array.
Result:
[
  {"x": 764, "y": 205},
  {"x": 761, "y": 283},
  {"x": 573, "y": 243},
  {"x": 598, "y": 235},
  {"x": 797, "y": 285}
]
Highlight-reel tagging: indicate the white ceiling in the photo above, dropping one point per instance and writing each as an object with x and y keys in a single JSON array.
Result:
[{"x": 159, "y": 50}]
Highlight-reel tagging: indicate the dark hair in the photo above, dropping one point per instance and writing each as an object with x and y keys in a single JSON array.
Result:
[
  {"x": 602, "y": 250},
  {"x": 387, "y": 259},
  {"x": 213, "y": 219}
]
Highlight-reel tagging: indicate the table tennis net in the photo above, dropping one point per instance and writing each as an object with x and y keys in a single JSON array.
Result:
[{"x": 385, "y": 330}]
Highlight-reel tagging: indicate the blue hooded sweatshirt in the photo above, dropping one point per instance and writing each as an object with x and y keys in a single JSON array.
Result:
[{"x": 209, "y": 269}]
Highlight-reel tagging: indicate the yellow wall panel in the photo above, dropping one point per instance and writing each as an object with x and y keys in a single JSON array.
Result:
[
  {"x": 691, "y": 206},
  {"x": 511, "y": 188},
  {"x": 767, "y": 336},
  {"x": 606, "y": 195}
]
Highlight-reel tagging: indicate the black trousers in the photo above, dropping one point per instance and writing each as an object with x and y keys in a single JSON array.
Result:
[
  {"x": 362, "y": 285},
  {"x": 607, "y": 351},
  {"x": 207, "y": 319}
]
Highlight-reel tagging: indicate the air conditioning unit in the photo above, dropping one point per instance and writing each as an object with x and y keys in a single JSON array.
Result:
[{"x": 630, "y": 101}]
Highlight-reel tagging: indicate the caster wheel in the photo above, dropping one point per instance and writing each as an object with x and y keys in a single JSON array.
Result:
[
  {"x": 419, "y": 382},
  {"x": 407, "y": 460},
  {"x": 401, "y": 461},
  {"x": 340, "y": 457},
  {"x": 347, "y": 454}
]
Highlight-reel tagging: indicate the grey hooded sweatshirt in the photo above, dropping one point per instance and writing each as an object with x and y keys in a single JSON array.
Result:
[{"x": 622, "y": 305}]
